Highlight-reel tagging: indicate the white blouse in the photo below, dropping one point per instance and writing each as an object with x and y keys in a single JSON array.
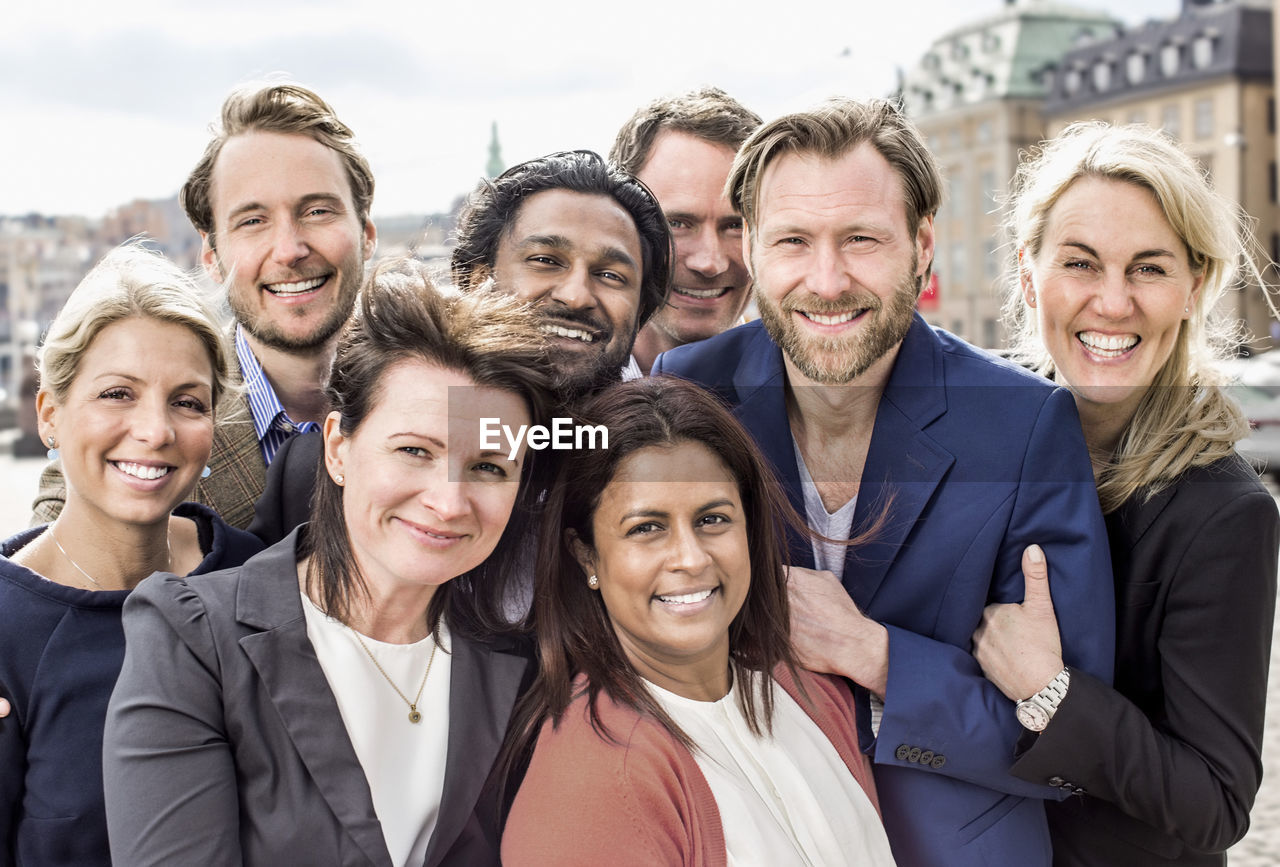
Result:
[
  {"x": 785, "y": 799},
  {"x": 403, "y": 761}
]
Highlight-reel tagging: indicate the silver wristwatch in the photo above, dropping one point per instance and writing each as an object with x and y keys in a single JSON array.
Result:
[{"x": 1034, "y": 713}]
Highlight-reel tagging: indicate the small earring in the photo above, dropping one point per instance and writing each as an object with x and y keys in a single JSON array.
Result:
[
  {"x": 339, "y": 478},
  {"x": 52, "y": 454},
  {"x": 206, "y": 472},
  {"x": 593, "y": 582},
  {"x": 1032, "y": 299},
  {"x": 1187, "y": 310}
]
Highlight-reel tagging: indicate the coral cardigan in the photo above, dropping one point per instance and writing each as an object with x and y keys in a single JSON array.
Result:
[{"x": 643, "y": 800}]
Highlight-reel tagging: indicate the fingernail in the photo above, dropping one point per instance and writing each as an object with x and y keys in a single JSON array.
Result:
[{"x": 1035, "y": 555}]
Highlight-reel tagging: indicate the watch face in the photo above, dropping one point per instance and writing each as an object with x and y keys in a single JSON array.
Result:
[{"x": 1032, "y": 716}]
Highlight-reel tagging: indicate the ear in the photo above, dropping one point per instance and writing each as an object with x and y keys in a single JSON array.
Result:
[
  {"x": 370, "y": 239},
  {"x": 335, "y": 446},
  {"x": 582, "y": 552},
  {"x": 46, "y": 416},
  {"x": 209, "y": 259},
  {"x": 1024, "y": 277},
  {"x": 1195, "y": 295},
  {"x": 924, "y": 245}
]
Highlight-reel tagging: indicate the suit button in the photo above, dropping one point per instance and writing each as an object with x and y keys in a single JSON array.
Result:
[
  {"x": 902, "y": 752},
  {"x": 938, "y": 762},
  {"x": 914, "y": 755},
  {"x": 926, "y": 757},
  {"x": 1057, "y": 782}
]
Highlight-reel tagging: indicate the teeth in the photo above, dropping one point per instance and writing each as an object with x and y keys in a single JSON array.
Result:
[
  {"x": 141, "y": 471},
  {"x": 834, "y": 319},
  {"x": 295, "y": 288},
  {"x": 686, "y": 599},
  {"x": 1108, "y": 345},
  {"x": 700, "y": 293},
  {"x": 572, "y": 333}
]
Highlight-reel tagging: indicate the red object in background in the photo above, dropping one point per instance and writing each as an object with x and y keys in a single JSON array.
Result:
[{"x": 929, "y": 299}]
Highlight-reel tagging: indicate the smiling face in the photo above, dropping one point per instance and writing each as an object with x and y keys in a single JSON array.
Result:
[
  {"x": 835, "y": 264},
  {"x": 687, "y": 175},
  {"x": 577, "y": 257},
  {"x": 1111, "y": 285},
  {"x": 287, "y": 236},
  {"x": 672, "y": 561},
  {"x": 135, "y": 428},
  {"x": 423, "y": 502}
]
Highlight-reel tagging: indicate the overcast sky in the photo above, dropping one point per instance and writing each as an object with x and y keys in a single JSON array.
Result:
[{"x": 102, "y": 103}]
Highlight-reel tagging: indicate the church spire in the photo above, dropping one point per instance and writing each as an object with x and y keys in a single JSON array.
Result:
[{"x": 495, "y": 166}]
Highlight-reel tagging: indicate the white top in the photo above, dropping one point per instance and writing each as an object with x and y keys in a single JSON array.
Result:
[
  {"x": 837, "y": 525},
  {"x": 785, "y": 799},
  {"x": 403, "y": 761}
]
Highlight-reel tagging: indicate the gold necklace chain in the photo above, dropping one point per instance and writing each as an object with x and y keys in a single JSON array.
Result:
[{"x": 414, "y": 716}]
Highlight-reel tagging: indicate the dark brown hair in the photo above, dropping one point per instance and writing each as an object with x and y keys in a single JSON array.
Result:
[
  {"x": 492, "y": 339},
  {"x": 707, "y": 113}
]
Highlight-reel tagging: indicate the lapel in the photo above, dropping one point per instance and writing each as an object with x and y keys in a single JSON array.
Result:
[
  {"x": 484, "y": 685},
  {"x": 238, "y": 472},
  {"x": 267, "y": 599},
  {"x": 760, "y": 398},
  {"x": 904, "y": 464}
]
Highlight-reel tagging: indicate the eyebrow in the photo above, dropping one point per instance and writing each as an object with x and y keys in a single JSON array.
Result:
[
  {"x": 607, "y": 254},
  {"x": 415, "y": 435},
  {"x": 111, "y": 374},
  {"x": 659, "y": 513},
  {"x": 1144, "y": 254}
]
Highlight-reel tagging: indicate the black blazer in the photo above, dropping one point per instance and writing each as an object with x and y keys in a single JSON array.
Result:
[
  {"x": 1170, "y": 759},
  {"x": 291, "y": 483},
  {"x": 225, "y": 745}
]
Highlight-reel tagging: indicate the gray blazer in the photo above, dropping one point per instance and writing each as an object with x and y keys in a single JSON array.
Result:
[{"x": 224, "y": 743}]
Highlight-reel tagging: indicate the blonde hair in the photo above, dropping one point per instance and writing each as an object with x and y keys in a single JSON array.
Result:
[
  {"x": 1185, "y": 419},
  {"x": 130, "y": 281}
]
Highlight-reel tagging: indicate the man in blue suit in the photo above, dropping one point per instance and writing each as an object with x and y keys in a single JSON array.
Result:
[{"x": 869, "y": 414}]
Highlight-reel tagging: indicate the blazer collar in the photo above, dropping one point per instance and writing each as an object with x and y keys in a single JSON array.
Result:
[
  {"x": 485, "y": 683},
  {"x": 904, "y": 463}
]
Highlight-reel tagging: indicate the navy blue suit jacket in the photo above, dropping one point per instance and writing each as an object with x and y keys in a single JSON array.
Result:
[{"x": 981, "y": 459}]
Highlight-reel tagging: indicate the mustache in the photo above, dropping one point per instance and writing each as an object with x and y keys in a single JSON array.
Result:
[
  {"x": 562, "y": 315},
  {"x": 844, "y": 302}
]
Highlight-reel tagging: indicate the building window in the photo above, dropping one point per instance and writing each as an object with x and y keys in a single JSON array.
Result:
[
  {"x": 1101, "y": 76},
  {"x": 1202, "y": 52},
  {"x": 1275, "y": 246},
  {"x": 1204, "y": 118},
  {"x": 959, "y": 266},
  {"x": 987, "y": 180},
  {"x": 1170, "y": 60},
  {"x": 988, "y": 333},
  {"x": 956, "y": 192},
  {"x": 1135, "y": 67},
  {"x": 1271, "y": 115},
  {"x": 1071, "y": 81},
  {"x": 984, "y": 132},
  {"x": 1171, "y": 120},
  {"x": 1271, "y": 183}
]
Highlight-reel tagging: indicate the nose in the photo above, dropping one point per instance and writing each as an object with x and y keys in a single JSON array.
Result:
[
  {"x": 444, "y": 497},
  {"x": 1114, "y": 298},
  {"x": 151, "y": 424},
  {"x": 687, "y": 552},
  {"x": 707, "y": 256},
  {"x": 575, "y": 290},
  {"x": 828, "y": 275},
  {"x": 287, "y": 243}
]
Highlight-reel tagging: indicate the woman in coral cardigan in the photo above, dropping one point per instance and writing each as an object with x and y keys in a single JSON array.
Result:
[{"x": 672, "y": 725}]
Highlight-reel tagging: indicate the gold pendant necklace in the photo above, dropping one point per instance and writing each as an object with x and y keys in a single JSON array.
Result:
[{"x": 414, "y": 716}]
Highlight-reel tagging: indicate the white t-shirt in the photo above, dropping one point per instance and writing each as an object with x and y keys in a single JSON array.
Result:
[
  {"x": 785, "y": 799},
  {"x": 404, "y": 762}
]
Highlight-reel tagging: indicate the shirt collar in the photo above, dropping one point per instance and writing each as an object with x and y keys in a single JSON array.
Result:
[{"x": 264, "y": 406}]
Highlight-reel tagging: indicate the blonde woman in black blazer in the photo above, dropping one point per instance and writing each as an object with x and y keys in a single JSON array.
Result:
[
  {"x": 1124, "y": 250},
  {"x": 296, "y": 710}
]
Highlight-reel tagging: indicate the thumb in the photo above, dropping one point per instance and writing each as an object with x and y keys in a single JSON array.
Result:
[{"x": 1035, "y": 573}]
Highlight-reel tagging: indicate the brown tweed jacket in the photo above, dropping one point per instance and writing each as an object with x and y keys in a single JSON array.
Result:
[{"x": 237, "y": 478}]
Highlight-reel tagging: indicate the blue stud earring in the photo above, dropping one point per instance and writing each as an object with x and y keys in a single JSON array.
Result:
[
  {"x": 52, "y": 454},
  {"x": 206, "y": 472}
]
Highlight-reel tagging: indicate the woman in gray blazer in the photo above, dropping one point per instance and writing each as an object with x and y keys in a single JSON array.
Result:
[
  {"x": 336, "y": 699},
  {"x": 1124, "y": 250}
]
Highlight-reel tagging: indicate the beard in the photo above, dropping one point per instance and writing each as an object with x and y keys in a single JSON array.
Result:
[
  {"x": 269, "y": 332},
  {"x": 577, "y": 374},
  {"x": 840, "y": 360}
]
